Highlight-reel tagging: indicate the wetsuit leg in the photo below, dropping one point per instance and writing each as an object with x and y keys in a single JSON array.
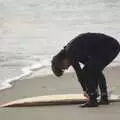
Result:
[
  {"x": 102, "y": 81},
  {"x": 91, "y": 74},
  {"x": 102, "y": 84},
  {"x": 103, "y": 89}
]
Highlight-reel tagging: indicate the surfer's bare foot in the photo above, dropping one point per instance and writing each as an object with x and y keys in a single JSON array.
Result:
[
  {"x": 89, "y": 104},
  {"x": 92, "y": 102}
]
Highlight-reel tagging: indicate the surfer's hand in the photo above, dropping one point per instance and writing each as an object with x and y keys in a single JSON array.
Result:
[{"x": 85, "y": 94}]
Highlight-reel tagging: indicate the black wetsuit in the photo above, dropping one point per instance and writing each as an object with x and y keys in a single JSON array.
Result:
[{"x": 95, "y": 51}]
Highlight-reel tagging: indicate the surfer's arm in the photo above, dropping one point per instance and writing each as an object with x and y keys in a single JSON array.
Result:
[{"x": 78, "y": 71}]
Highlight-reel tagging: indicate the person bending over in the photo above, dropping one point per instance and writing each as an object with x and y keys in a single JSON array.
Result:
[{"x": 95, "y": 51}]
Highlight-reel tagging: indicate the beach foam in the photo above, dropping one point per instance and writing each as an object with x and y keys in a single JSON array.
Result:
[
  {"x": 26, "y": 72},
  {"x": 39, "y": 69}
]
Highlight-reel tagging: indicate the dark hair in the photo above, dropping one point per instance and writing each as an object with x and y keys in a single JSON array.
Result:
[
  {"x": 56, "y": 63},
  {"x": 58, "y": 72}
]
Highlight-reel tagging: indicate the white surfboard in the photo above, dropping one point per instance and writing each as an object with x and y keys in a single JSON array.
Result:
[{"x": 54, "y": 100}]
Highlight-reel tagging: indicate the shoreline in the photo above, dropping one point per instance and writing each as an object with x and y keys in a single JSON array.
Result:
[{"x": 37, "y": 71}]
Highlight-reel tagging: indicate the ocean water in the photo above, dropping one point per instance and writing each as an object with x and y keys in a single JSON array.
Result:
[{"x": 32, "y": 31}]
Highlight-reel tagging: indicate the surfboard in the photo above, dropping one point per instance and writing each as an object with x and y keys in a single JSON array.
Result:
[{"x": 61, "y": 99}]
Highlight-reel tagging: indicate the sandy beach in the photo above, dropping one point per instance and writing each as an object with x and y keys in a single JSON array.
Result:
[{"x": 52, "y": 85}]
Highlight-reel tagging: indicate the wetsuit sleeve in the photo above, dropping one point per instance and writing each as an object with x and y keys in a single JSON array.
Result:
[
  {"x": 77, "y": 69},
  {"x": 79, "y": 73}
]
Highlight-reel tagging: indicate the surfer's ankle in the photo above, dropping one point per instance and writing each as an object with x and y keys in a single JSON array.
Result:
[{"x": 104, "y": 100}]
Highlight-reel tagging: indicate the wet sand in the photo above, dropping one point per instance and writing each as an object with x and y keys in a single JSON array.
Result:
[{"x": 52, "y": 85}]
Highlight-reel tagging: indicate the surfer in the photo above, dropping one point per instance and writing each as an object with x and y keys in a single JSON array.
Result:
[{"x": 95, "y": 51}]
